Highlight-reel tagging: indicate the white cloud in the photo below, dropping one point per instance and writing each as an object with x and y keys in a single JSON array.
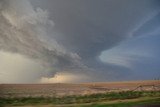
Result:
[{"x": 116, "y": 59}]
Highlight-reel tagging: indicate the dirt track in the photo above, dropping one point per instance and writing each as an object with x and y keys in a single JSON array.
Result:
[{"x": 50, "y": 90}]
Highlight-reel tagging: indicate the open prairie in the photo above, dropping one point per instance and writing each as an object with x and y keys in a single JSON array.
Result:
[
  {"x": 107, "y": 94},
  {"x": 61, "y": 89}
]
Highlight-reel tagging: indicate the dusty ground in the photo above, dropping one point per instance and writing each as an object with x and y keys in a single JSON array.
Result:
[{"x": 59, "y": 89}]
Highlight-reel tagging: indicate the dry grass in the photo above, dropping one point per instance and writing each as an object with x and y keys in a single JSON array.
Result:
[{"x": 51, "y": 90}]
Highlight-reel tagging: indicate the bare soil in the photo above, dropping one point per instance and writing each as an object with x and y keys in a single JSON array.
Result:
[{"x": 61, "y": 89}]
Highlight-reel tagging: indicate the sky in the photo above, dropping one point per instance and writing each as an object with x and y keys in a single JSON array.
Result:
[{"x": 74, "y": 41}]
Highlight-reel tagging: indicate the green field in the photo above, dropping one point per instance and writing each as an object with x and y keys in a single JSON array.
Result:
[
  {"x": 112, "y": 99},
  {"x": 127, "y": 103}
]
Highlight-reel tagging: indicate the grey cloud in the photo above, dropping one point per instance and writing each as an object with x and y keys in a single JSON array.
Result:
[
  {"x": 90, "y": 26},
  {"x": 149, "y": 26},
  {"x": 82, "y": 30},
  {"x": 23, "y": 30}
]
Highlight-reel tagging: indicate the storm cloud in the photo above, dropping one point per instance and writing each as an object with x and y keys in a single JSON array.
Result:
[
  {"x": 23, "y": 31},
  {"x": 83, "y": 37}
]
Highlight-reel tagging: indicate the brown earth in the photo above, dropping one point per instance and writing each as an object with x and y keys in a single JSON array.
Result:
[{"x": 60, "y": 89}]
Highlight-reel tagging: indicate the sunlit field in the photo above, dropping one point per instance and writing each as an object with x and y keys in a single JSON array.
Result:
[{"x": 116, "y": 94}]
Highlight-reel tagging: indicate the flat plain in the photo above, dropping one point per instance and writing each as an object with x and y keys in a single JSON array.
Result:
[
  {"x": 102, "y": 94},
  {"x": 62, "y": 89}
]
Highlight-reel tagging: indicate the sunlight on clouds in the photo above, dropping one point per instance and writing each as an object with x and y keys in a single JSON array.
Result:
[{"x": 64, "y": 77}]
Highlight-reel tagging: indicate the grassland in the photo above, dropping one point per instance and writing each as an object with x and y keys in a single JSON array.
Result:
[
  {"x": 111, "y": 94},
  {"x": 112, "y": 99},
  {"x": 149, "y": 102}
]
